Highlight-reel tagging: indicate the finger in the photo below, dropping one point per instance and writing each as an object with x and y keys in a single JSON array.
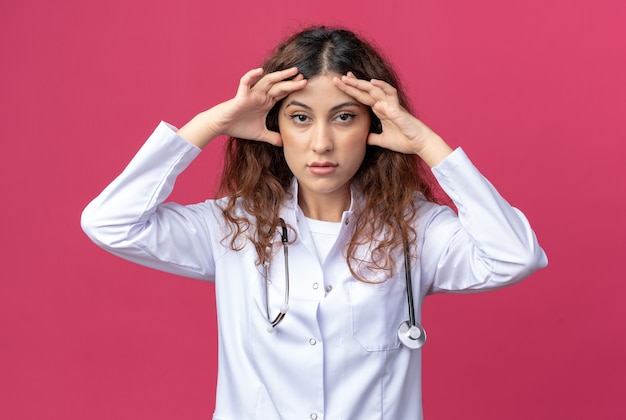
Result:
[
  {"x": 351, "y": 80},
  {"x": 246, "y": 80},
  {"x": 386, "y": 87},
  {"x": 371, "y": 85},
  {"x": 360, "y": 93},
  {"x": 380, "y": 92},
  {"x": 374, "y": 139},
  {"x": 267, "y": 81},
  {"x": 281, "y": 90},
  {"x": 272, "y": 137}
]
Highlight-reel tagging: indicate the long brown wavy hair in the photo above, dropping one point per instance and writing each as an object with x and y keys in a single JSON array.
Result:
[{"x": 256, "y": 175}]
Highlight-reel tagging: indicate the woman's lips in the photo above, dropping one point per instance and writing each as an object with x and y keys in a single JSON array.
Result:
[{"x": 322, "y": 168}]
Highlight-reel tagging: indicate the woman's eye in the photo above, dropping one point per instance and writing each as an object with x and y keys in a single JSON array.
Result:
[
  {"x": 345, "y": 117},
  {"x": 299, "y": 118}
]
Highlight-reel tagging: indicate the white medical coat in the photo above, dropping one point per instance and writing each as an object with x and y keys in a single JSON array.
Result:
[{"x": 336, "y": 355}]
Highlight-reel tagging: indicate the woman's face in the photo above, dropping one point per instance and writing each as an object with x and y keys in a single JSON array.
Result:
[{"x": 324, "y": 133}]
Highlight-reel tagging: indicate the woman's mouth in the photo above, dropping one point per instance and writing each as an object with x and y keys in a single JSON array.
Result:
[{"x": 322, "y": 168}]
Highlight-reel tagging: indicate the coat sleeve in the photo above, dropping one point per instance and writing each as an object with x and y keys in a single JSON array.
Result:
[
  {"x": 130, "y": 220},
  {"x": 488, "y": 245}
]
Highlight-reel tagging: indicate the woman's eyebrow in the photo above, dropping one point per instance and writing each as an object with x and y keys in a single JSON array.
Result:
[
  {"x": 345, "y": 105},
  {"x": 297, "y": 103}
]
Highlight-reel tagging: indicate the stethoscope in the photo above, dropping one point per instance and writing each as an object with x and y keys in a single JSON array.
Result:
[{"x": 411, "y": 333}]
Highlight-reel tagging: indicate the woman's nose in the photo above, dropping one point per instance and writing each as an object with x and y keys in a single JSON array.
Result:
[{"x": 322, "y": 138}]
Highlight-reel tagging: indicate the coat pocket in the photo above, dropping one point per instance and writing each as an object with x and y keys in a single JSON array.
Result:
[{"x": 377, "y": 311}]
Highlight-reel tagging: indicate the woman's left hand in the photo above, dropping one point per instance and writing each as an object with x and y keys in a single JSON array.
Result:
[{"x": 401, "y": 131}]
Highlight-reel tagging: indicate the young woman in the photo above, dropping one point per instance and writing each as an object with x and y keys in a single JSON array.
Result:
[{"x": 326, "y": 239}]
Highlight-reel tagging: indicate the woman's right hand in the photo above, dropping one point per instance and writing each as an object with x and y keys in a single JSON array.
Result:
[{"x": 244, "y": 115}]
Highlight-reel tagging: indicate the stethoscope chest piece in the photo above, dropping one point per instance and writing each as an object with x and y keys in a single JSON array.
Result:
[{"x": 412, "y": 336}]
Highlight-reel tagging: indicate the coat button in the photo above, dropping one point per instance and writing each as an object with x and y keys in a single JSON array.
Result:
[
  {"x": 312, "y": 341},
  {"x": 329, "y": 288},
  {"x": 315, "y": 286},
  {"x": 313, "y": 416}
]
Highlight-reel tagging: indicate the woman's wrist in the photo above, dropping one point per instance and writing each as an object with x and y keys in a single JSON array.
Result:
[
  {"x": 200, "y": 130},
  {"x": 433, "y": 150}
]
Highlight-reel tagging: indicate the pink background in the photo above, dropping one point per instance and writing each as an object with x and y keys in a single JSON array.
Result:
[{"x": 535, "y": 91}]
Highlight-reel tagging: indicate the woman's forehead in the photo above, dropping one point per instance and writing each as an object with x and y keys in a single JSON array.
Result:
[{"x": 320, "y": 92}]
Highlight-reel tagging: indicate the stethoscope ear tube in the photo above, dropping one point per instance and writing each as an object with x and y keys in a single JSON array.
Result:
[{"x": 410, "y": 332}]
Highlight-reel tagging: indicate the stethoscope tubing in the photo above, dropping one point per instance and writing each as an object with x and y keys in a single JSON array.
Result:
[
  {"x": 409, "y": 284},
  {"x": 411, "y": 334},
  {"x": 284, "y": 238}
]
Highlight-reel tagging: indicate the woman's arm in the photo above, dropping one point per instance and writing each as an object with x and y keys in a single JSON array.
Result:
[
  {"x": 129, "y": 218},
  {"x": 490, "y": 244}
]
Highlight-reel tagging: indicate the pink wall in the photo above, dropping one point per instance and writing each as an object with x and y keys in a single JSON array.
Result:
[{"x": 535, "y": 92}]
